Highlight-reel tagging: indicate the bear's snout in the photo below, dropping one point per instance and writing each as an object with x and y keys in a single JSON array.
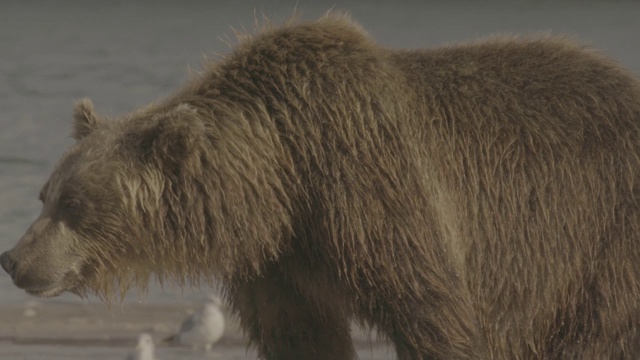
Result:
[{"x": 8, "y": 263}]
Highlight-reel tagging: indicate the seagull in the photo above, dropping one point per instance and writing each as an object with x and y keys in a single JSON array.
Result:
[
  {"x": 203, "y": 328},
  {"x": 144, "y": 349}
]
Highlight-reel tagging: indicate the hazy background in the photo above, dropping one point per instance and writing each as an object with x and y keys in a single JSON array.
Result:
[{"x": 123, "y": 55}]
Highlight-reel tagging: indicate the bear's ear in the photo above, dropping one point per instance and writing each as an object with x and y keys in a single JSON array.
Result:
[
  {"x": 171, "y": 137},
  {"x": 84, "y": 119}
]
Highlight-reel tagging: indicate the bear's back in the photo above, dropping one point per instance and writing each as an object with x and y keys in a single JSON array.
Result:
[{"x": 523, "y": 78}]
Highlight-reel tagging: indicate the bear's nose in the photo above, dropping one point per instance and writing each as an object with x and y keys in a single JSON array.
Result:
[{"x": 7, "y": 263}]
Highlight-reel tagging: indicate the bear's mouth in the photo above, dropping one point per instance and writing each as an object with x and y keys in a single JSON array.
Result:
[
  {"x": 67, "y": 283},
  {"x": 46, "y": 292}
]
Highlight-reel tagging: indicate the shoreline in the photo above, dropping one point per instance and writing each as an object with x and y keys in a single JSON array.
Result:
[{"x": 98, "y": 324}]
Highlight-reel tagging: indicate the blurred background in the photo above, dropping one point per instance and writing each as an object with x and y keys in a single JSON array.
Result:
[{"x": 124, "y": 54}]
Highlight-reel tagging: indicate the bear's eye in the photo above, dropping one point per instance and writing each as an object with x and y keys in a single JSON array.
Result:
[{"x": 72, "y": 203}]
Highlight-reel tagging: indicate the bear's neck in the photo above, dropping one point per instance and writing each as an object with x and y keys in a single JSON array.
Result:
[{"x": 226, "y": 208}]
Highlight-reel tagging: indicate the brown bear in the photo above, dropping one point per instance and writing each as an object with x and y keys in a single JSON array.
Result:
[{"x": 479, "y": 201}]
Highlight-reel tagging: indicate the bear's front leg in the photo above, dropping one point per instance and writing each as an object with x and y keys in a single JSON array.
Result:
[
  {"x": 284, "y": 324},
  {"x": 426, "y": 314}
]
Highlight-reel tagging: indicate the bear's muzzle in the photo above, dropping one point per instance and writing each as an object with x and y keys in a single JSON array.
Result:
[{"x": 8, "y": 263}]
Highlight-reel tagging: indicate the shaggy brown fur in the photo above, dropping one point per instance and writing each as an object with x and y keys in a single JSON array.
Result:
[{"x": 470, "y": 202}]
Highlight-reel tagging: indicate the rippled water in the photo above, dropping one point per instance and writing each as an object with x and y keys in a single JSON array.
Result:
[{"x": 124, "y": 55}]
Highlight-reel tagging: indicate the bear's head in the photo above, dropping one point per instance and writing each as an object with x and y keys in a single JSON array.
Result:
[{"x": 98, "y": 205}]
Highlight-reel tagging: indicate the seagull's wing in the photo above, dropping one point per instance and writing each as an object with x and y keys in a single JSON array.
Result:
[
  {"x": 191, "y": 322},
  {"x": 187, "y": 325}
]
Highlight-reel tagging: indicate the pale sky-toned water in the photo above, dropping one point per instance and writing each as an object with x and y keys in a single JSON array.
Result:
[{"x": 124, "y": 55}]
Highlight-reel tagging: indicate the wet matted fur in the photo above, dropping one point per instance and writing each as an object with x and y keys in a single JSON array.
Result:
[{"x": 471, "y": 202}]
